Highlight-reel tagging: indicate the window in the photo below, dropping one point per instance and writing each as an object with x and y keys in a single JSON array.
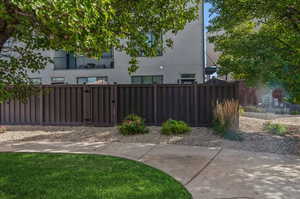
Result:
[
  {"x": 36, "y": 81},
  {"x": 158, "y": 79},
  {"x": 187, "y": 78},
  {"x": 151, "y": 39},
  {"x": 58, "y": 80},
  {"x": 64, "y": 61},
  {"x": 183, "y": 76},
  {"x": 147, "y": 79},
  {"x": 90, "y": 80},
  {"x": 136, "y": 79}
]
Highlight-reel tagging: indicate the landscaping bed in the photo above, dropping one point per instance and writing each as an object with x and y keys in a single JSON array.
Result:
[
  {"x": 251, "y": 130},
  {"x": 65, "y": 176}
]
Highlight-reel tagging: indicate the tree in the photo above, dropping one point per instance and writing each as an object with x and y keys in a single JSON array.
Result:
[
  {"x": 259, "y": 41},
  {"x": 83, "y": 27}
]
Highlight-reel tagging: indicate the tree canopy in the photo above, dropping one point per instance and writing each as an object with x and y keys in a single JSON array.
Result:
[
  {"x": 83, "y": 27},
  {"x": 259, "y": 41}
]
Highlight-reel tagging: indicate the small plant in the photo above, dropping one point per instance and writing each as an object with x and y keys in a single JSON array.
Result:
[
  {"x": 2, "y": 129},
  {"x": 174, "y": 127},
  {"x": 253, "y": 109},
  {"x": 226, "y": 116},
  {"x": 295, "y": 112},
  {"x": 133, "y": 125},
  {"x": 241, "y": 110},
  {"x": 277, "y": 129}
]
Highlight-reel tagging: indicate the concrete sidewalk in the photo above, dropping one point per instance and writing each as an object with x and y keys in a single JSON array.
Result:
[{"x": 208, "y": 173}]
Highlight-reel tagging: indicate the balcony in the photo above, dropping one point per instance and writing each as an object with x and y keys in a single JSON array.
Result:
[{"x": 67, "y": 61}]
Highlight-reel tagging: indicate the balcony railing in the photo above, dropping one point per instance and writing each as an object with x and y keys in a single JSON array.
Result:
[{"x": 61, "y": 63}]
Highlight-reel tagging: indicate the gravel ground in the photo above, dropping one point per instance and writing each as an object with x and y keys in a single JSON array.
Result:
[{"x": 251, "y": 129}]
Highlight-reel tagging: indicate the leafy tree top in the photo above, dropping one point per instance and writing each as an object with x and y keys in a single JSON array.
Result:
[
  {"x": 91, "y": 27},
  {"x": 84, "y": 27},
  {"x": 259, "y": 41}
]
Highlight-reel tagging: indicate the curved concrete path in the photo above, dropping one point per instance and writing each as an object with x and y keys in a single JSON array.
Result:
[{"x": 208, "y": 173}]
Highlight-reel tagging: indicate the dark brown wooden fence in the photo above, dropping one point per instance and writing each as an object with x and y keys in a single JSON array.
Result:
[
  {"x": 107, "y": 105},
  {"x": 248, "y": 95}
]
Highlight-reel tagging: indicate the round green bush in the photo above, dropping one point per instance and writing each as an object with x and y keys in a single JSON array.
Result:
[
  {"x": 174, "y": 127},
  {"x": 133, "y": 125},
  {"x": 277, "y": 129},
  {"x": 295, "y": 113}
]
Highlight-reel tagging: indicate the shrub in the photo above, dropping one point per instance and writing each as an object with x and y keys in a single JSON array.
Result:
[
  {"x": 241, "y": 110},
  {"x": 253, "y": 109},
  {"x": 174, "y": 127},
  {"x": 133, "y": 125},
  {"x": 2, "y": 129},
  {"x": 295, "y": 112},
  {"x": 277, "y": 129},
  {"x": 226, "y": 116}
]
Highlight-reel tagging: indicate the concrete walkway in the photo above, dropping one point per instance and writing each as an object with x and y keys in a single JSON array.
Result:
[{"x": 208, "y": 173}]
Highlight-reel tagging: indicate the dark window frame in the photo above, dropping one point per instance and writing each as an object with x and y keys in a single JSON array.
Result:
[
  {"x": 187, "y": 78},
  {"x": 144, "y": 76},
  {"x": 74, "y": 66}
]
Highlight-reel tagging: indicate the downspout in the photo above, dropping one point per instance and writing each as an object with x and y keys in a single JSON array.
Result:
[{"x": 203, "y": 43}]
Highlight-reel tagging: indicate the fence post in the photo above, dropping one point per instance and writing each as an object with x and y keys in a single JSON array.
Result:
[
  {"x": 114, "y": 104},
  {"x": 41, "y": 112},
  {"x": 196, "y": 103},
  {"x": 237, "y": 97},
  {"x": 155, "y": 103},
  {"x": 86, "y": 105},
  {"x": 237, "y": 90}
]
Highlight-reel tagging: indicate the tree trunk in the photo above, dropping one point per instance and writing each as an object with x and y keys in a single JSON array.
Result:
[{"x": 3, "y": 38}]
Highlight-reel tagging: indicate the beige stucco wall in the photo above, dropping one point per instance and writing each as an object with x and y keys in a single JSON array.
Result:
[
  {"x": 211, "y": 55},
  {"x": 186, "y": 56}
]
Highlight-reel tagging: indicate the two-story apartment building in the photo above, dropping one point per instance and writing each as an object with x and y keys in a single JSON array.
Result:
[{"x": 184, "y": 63}]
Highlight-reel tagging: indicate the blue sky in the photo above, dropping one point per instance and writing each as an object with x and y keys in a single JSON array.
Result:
[{"x": 206, "y": 13}]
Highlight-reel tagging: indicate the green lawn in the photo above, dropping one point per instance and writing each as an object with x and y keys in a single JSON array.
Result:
[{"x": 61, "y": 176}]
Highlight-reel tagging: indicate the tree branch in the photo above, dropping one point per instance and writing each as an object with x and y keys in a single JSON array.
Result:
[
  {"x": 291, "y": 48},
  {"x": 4, "y": 36},
  {"x": 291, "y": 13}
]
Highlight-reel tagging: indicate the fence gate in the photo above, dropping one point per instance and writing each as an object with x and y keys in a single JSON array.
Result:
[{"x": 100, "y": 105}]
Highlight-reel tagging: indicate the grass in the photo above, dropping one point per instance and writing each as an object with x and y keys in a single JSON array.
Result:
[{"x": 65, "y": 176}]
